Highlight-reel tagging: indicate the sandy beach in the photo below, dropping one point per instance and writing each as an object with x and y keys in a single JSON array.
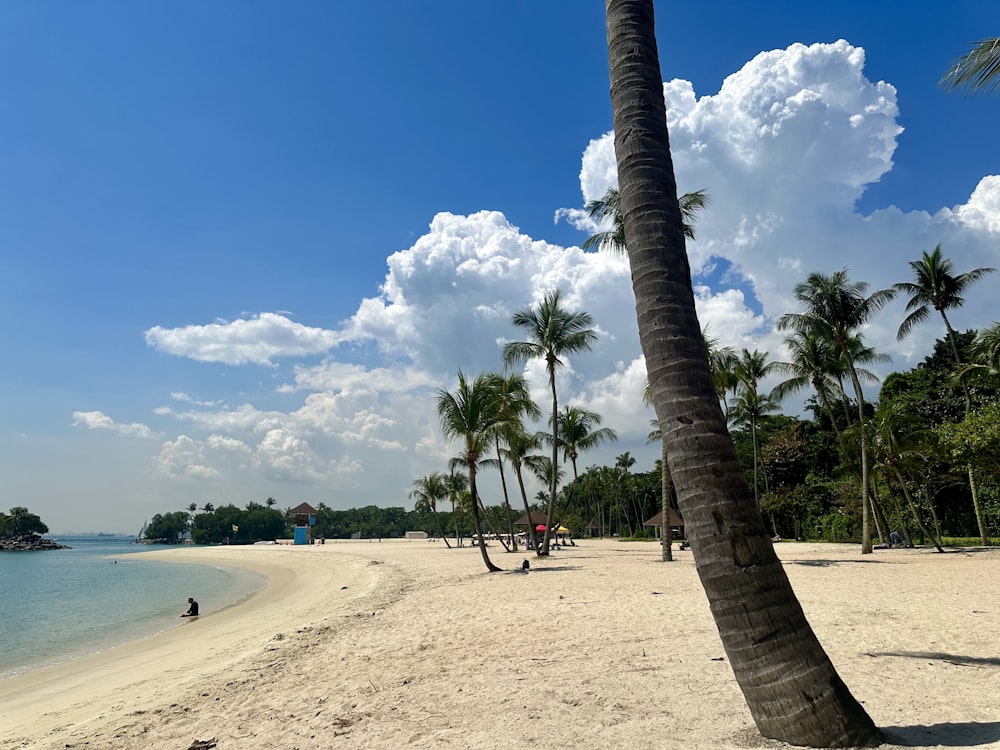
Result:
[{"x": 407, "y": 643}]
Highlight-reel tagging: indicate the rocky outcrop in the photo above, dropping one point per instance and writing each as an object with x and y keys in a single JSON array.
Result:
[{"x": 29, "y": 542}]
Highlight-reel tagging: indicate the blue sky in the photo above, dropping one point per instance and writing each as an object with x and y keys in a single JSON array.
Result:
[{"x": 243, "y": 244}]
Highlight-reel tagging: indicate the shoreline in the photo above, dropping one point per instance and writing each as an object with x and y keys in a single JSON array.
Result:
[{"x": 600, "y": 645}]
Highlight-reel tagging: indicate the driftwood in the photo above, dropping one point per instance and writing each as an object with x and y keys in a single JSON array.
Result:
[{"x": 203, "y": 744}]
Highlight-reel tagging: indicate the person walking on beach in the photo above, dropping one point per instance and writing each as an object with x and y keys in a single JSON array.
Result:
[{"x": 192, "y": 608}]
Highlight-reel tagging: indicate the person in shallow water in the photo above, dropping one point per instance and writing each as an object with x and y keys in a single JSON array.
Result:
[{"x": 192, "y": 608}]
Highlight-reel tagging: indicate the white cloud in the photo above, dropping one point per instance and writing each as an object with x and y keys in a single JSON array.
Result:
[
  {"x": 257, "y": 340},
  {"x": 785, "y": 148},
  {"x": 97, "y": 420}
]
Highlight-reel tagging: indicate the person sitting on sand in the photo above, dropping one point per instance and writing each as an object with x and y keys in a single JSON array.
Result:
[{"x": 192, "y": 608}]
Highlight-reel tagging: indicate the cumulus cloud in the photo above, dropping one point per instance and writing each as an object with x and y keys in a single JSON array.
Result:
[
  {"x": 785, "y": 148},
  {"x": 97, "y": 420},
  {"x": 257, "y": 340}
]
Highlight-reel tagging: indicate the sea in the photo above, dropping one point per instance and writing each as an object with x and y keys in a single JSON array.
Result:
[{"x": 58, "y": 605}]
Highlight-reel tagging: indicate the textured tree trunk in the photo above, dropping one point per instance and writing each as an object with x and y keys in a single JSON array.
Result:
[
  {"x": 793, "y": 691},
  {"x": 667, "y": 532},
  {"x": 475, "y": 521},
  {"x": 544, "y": 549},
  {"x": 913, "y": 508}
]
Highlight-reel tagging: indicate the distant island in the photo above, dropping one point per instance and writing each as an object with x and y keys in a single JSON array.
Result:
[{"x": 22, "y": 530}]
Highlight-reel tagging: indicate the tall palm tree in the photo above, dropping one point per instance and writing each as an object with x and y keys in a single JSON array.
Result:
[
  {"x": 468, "y": 415},
  {"x": 986, "y": 351},
  {"x": 793, "y": 691},
  {"x": 936, "y": 285},
  {"x": 553, "y": 332},
  {"x": 836, "y": 307},
  {"x": 609, "y": 208},
  {"x": 427, "y": 491},
  {"x": 456, "y": 484},
  {"x": 518, "y": 447},
  {"x": 750, "y": 368},
  {"x": 977, "y": 70},
  {"x": 515, "y": 405},
  {"x": 579, "y": 430}
]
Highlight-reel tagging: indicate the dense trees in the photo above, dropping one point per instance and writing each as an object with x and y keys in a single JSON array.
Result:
[{"x": 19, "y": 520}]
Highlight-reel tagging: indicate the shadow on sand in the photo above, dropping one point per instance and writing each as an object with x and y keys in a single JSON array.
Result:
[
  {"x": 958, "y": 661},
  {"x": 828, "y": 563},
  {"x": 946, "y": 734}
]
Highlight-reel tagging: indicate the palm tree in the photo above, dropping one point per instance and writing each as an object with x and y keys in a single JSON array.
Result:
[
  {"x": 515, "y": 404},
  {"x": 986, "y": 351},
  {"x": 609, "y": 208},
  {"x": 427, "y": 491},
  {"x": 977, "y": 70},
  {"x": 468, "y": 415},
  {"x": 579, "y": 431},
  {"x": 812, "y": 362},
  {"x": 750, "y": 368},
  {"x": 456, "y": 484},
  {"x": 935, "y": 285},
  {"x": 836, "y": 307},
  {"x": 518, "y": 447},
  {"x": 793, "y": 691},
  {"x": 553, "y": 332},
  {"x": 893, "y": 432}
]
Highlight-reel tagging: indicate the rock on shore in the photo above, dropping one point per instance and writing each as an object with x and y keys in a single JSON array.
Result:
[{"x": 29, "y": 542}]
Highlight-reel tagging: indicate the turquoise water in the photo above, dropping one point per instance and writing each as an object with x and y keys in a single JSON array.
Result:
[{"x": 61, "y": 604}]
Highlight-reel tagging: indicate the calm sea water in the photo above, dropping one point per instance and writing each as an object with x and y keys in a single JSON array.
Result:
[{"x": 61, "y": 604}]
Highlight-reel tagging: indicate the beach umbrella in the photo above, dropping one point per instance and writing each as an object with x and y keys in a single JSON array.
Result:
[
  {"x": 540, "y": 527},
  {"x": 562, "y": 530}
]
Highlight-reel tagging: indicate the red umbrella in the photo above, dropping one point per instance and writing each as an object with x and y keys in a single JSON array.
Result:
[{"x": 540, "y": 527}]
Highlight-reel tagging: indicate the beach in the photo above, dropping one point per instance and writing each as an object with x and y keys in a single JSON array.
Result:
[{"x": 406, "y": 643}]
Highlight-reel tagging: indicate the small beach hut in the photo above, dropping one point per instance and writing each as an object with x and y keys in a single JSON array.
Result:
[
  {"x": 535, "y": 518},
  {"x": 675, "y": 521}
]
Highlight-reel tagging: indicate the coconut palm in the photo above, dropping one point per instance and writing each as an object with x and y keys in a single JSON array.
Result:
[
  {"x": 456, "y": 484},
  {"x": 468, "y": 415},
  {"x": 427, "y": 491},
  {"x": 936, "y": 285},
  {"x": 986, "y": 351},
  {"x": 793, "y": 691},
  {"x": 553, "y": 332},
  {"x": 515, "y": 405},
  {"x": 893, "y": 432},
  {"x": 579, "y": 430},
  {"x": 608, "y": 208},
  {"x": 812, "y": 362},
  {"x": 977, "y": 70},
  {"x": 518, "y": 447},
  {"x": 836, "y": 307},
  {"x": 750, "y": 405}
]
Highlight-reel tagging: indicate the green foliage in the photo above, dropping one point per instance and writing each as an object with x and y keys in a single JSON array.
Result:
[
  {"x": 168, "y": 527},
  {"x": 21, "y": 521},
  {"x": 975, "y": 440}
]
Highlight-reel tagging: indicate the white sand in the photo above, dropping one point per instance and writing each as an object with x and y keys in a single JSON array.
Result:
[{"x": 600, "y": 646}]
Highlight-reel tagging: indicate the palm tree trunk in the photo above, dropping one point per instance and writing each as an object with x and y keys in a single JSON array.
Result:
[
  {"x": 793, "y": 691},
  {"x": 666, "y": 530},
  {"x": 527, "y": 510},
  {"x": 913, "y": 508},
  {"x": 866, "y": 529},
  {"x": 544, "y": 550},
  {"x": 437, "y": 520},
  {"x": 506, "y": 500},
  {"x": 475, "y": 520}
]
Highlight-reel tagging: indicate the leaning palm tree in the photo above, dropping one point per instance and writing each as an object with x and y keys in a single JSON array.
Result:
[
  {"x": 936, "y": 285},
  {"x": 793, "y": 691},
  {"x": 977, "y": 70},
  {"x": 426, "y": 493},
  {"x": 468, "y": 415},
  {"x": 836, "y": 307},
  {"x": 553, "y": 332},
  {"x": 579, "y": 430},
  {"x": 608, "y": 208}
]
